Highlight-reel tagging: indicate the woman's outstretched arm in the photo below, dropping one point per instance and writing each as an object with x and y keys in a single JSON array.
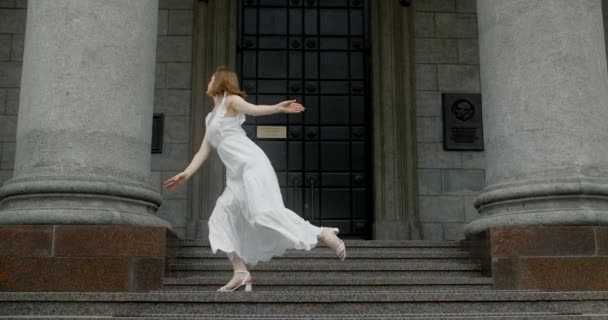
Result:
[
  {"x": 199, "y": 157},
  {"x": 195, "y": 164},
  {"x": 288, "y": 106}
]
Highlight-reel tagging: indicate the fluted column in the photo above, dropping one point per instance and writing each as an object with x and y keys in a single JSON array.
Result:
[
  {"x": 545, "y": 94},
  {"x": 214, "y": 45},
  {"x": 85, "y": 118},
  {"x": 394, "y": 126}
]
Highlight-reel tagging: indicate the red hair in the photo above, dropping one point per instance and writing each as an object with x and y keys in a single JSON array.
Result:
[{"x": 225, "y": 80}]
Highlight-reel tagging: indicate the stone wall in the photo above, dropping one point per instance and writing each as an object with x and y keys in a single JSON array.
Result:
[
  {"x": 12, "y": 31},
  {"x": 447, "y": 60},
  {"x": 172, "y": 95},
  {"x": 605, "y": 14}
]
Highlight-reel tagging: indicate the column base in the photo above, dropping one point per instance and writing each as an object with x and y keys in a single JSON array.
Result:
[
  {"x": 81, "y": 258},
  {"x": 552, "y": 258},
  {"x": 555, "y": 202},
  {"x": 78, "y": 200}
]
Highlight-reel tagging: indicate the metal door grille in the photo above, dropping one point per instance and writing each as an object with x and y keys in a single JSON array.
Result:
[{"x": 315, "y": 51}]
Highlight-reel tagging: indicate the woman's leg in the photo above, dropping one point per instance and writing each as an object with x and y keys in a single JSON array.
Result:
[
  {"x": 238, "y": 264},
  {"x": 240, "y": 274},
  {"x": 328, "y": 236}
]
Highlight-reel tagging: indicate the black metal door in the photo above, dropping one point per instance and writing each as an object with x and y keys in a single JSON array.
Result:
[{"x": 316, "y": 52}]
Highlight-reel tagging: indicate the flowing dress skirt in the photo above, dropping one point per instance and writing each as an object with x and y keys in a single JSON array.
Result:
[{"x": 250, "y": 219}]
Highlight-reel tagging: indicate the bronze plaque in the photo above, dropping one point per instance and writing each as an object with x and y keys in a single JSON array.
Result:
[
  {"x": 462, "y": 122},
  {"x": 271, "y": 132}
]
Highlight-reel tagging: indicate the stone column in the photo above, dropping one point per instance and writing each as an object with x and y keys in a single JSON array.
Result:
[
  {"x": 605, "y": 14},
  {"x": 545, "y": 93},
  {"x": 395, "y": 182},
  {"x": 544, "y": 85},
  {"x": 81, "y": 184},
  {"x": 214, "y": 45},
  {"x": 84, "y": 126}
]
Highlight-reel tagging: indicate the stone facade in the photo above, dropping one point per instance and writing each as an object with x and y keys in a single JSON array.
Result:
[
  {"x": 78, "y": 213},
  {"x": 446, "y": 57},
  {"x": 447, "y": 60},
  {"x": 173, "y": 98},
  {"x": 12, "y": 31},
  {"x": 605, "y": 15},
  {"x": 172, "y": 95}
]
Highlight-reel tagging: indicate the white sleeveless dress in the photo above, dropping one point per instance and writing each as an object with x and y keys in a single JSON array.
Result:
[{"x": 249, "y": 219}]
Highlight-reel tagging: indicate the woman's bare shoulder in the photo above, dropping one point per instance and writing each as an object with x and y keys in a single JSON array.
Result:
[
  {"x": 231, "y": 100},
  {"x": 230, "y": 97}
]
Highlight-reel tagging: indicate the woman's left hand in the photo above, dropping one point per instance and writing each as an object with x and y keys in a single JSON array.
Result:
[{"x": 290, "y": 106}]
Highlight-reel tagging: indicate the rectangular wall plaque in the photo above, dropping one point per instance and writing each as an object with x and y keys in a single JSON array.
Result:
[
  {"x": 158, "y": 121},
  {"x": 271, "y": 132},
  {"x": 462, "y": 122}
]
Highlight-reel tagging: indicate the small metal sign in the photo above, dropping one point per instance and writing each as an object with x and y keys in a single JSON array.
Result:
[
  {"x": 271, "y": 132},
  {"x": 158, "y": 121},
  {"x": 462, "y": 122}
]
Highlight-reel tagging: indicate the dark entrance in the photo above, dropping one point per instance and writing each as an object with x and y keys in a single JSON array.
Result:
[{"x": 315, "y": 51}]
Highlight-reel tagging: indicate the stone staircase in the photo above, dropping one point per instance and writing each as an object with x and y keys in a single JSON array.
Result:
[
  {"x": 370, "y": 266},
  {"x": 378, "y": 280}
]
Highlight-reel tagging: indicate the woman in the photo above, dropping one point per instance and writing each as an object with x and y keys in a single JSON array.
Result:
[{"x": 249, "y": 222}]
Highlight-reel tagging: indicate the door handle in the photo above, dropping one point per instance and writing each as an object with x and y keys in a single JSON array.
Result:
[
  {"x": 311, "y": 198},
  {"x": 296, "y": 192}
]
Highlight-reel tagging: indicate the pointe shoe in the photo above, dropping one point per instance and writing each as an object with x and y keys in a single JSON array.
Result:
[
  {"x": 341, "y": 249},
  {"x": 247, "y": 282}
]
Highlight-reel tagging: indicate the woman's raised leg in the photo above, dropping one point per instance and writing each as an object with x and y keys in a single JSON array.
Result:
[{"x": 330, "y": 238}]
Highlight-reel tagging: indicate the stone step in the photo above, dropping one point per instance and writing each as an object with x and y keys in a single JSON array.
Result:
[
  {"x": 338, "y": 283},
  {"x": 332, "y": 287},
  {"x": 248, "y": 304},
  {"x": 324, "y": 253},
  {"x": 349, "y": 249},
  {"x": 512, "y": 316},
  {"x": 503, "y": 316},
  {"x": 332, "y": 260},
  {"x": 379, "y": 280},
  {"x": 306, "y": 265},
  {"x": 363, "y": 244},
  {"x": 331, "y": 274}
]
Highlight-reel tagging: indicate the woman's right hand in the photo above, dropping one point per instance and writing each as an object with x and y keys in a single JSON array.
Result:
[
  {"x": 176, "y": 181},
  {"x": 290, "y": 106}
]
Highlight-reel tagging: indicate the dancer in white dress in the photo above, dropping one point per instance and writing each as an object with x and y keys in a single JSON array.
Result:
[{"x": 249, "y": 222}]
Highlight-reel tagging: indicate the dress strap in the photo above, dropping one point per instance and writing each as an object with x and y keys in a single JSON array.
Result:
[
  {"x": 224, "y": 98},
  {"x": 217, "y": 109},
  {"x": 222, "y": 105}
]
